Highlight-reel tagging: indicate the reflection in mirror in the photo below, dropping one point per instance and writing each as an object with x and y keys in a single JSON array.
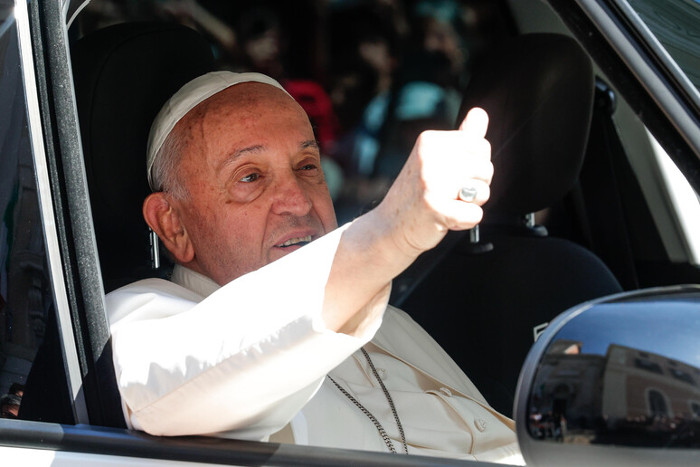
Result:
[{"x": 624, "y": 372}]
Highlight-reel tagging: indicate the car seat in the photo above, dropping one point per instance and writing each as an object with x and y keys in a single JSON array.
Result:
[
  {"x": 483, "y": 296},
  {"x": 123, "y": 74}
]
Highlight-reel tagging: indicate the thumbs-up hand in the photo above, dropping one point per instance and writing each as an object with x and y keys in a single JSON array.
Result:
[{"x": 441, "y": 187}]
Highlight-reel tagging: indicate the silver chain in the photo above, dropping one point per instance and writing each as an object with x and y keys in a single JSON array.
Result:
[{"x": 373, "y": 419}]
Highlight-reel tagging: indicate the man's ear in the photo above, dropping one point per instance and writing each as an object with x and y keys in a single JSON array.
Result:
[{"x": 165, "y": 221}]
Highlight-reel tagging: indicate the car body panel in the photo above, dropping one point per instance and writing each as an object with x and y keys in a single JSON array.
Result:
[{"x": 657, "y": 118}]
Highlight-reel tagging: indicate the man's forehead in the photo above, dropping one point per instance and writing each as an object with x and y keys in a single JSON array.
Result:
[
  {"x": 244, "y": 97},
  {"x": 235, "y": 111},
  {"x": 227, "y": 127},
  {"x": 187, "y": 98}
]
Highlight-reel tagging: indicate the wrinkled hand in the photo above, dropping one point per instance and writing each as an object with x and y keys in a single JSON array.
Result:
[
  {"x": 419, "y": 209},
  {"x": 423, "y": 203}
]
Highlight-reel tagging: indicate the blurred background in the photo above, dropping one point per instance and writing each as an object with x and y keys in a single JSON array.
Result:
[{"x": 371, "y": 74}]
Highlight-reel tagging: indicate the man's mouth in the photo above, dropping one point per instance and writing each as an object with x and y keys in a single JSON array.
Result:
[{"x": 300, "y": 241}]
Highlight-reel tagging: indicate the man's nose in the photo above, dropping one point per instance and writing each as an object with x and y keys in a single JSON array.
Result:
[{"x": 290, "y": 197}]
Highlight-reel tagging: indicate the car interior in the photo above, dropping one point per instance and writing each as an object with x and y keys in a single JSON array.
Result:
[
  {"x": 538, "y": 90},
  {"x": 566, "y": 222}
]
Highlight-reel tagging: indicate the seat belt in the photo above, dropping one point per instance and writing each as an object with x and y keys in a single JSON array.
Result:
[
  {"x": 404, "y": 284},
  {"x": 600, "y": 180}
]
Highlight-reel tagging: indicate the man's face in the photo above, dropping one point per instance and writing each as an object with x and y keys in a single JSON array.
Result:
[{"x": 252, "y": 168}]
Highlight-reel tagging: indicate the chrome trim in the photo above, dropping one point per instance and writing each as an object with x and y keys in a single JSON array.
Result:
[{"x": 53, "y": 251}]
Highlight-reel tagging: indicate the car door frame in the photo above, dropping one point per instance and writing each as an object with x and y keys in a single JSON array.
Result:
[
  {"x": 643, "y": 73},
  {"x": 79, "y": 295},
  {"x": 74, "y": 261}
]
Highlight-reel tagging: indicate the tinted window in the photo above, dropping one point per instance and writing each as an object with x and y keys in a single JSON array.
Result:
[
  {"x": 676, "y": 24},
  {"x": 26, "y": 302}
]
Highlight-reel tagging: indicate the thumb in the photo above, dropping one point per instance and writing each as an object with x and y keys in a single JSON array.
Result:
[{"x": 475, "y": 123}]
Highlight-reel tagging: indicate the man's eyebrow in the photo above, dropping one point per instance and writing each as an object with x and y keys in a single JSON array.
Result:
[
  {"x": 240, "y": 152},
  {"x": 312, "y": 143},
  {"x": 249, "y": 149}
]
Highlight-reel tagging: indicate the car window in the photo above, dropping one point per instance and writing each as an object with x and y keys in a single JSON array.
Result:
[
  {"x": 27, "y": 320},
  {"x": 370, "y": 79},
  {"x": 676, "y": 24},
  {"x": 371, "y": 75}
]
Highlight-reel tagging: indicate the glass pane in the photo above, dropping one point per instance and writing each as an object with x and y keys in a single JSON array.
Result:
[
  {"x": 622, "y": 373},
  {"x": 676, "y": 24},
  {"x": 26, "y": 299}
]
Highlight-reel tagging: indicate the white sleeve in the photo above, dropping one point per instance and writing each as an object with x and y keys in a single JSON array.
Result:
[{"x": 245, "y": 359}]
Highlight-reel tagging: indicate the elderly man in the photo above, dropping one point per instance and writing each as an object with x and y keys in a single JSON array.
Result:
[{"x": 250, "y": 341}]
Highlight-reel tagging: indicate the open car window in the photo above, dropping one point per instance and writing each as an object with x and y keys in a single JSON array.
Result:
[{"x": 371, "y": 75}]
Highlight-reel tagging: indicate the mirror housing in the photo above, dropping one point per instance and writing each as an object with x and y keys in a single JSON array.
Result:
[{"x": 615, "y": 381}]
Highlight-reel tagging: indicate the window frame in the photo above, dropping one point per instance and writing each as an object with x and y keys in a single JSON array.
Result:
[
  {"x": 113, "y": 446},
  {"x": 77, "y": 283},
  {"x": 47, "y": 213},
  {"x": 625, "y": 52},
  {"x": 75, "y": 269}
]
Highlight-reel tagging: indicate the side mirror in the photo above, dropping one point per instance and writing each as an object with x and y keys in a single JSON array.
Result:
[{"x": 615, "y": 381}]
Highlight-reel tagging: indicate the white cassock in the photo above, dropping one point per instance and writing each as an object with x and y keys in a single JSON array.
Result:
[{"x": 249, "y": 360}]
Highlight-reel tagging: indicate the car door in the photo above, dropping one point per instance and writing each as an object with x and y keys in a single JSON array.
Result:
[
  {"x": 54, "y": 343},
  {"x": 50, "y": 284},
  {"x": 647, "y": 53}
]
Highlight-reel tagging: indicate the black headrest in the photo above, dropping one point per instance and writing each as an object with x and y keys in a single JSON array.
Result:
[
  {"x": 538, "y": 92},
  {"x": 123, "y": 75}
]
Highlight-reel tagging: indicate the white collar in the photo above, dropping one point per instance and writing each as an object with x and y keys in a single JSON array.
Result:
[{"x": 194, "y": 281}]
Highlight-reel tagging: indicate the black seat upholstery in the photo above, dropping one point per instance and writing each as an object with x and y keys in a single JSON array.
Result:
[
  {"x": 123, "y": 75},
  {"x": 538, "y": 91}
]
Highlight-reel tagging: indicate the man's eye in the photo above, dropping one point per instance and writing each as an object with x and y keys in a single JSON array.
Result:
[
  {"x": 309, "y": 167},
  {"x": 250, "y": 178}
]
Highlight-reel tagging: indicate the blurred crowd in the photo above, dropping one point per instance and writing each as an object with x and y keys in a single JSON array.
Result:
[{"x": 371, "y": 74}]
